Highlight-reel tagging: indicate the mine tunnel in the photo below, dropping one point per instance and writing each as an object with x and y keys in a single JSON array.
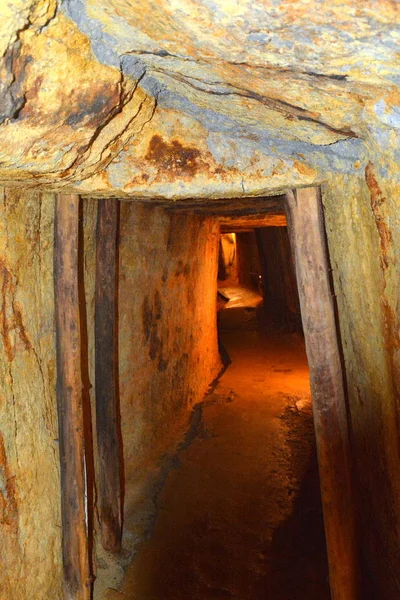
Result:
[
  {"x": 240, "y": 512},
  {"x": 188, "y": 458},
  {"x": 199, "y": 300},
  {"x": 219, "y": 406},
  {"x": 201, "y": 410}
]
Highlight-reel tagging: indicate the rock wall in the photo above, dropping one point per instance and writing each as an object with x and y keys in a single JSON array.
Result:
[
  {"x": 168, "y": 353},
  {"x": 168, "y": 340},
  {"x": 362, "y": 228},
  {"x": 227, "y": 271},
  {"x": 168, "y": 357},
  {"x": 240, "y": 264},
  {"x": 281, "y": 299},
  {"x": 248, "y": 262},
  {"x": 30, "y": 521}
]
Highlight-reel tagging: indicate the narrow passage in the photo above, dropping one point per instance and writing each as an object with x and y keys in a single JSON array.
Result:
[{"x": 240, "y": 515}]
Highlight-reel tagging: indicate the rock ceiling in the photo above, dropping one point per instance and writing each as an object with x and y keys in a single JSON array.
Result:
[{"x": 196, "y": 98}]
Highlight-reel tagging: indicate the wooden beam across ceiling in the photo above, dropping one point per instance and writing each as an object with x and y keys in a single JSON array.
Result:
[
  {"x": 225, "y": 207},
  {"x": 248, "y": 222}
]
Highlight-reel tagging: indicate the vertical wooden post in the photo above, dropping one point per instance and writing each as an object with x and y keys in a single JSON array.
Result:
[
  {"x": 69, "y": 400},
  {"x": 307, "y": 235},
  {"x": 107, "y": 413}
]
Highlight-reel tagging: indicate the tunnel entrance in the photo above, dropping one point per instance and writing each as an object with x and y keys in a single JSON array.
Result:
[
  {"x": 218, "y": 465},
  {"x": 255, "y": 268},
  {"x": 241, "y": 515}
]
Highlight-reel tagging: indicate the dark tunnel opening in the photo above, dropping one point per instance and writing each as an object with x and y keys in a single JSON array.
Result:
[
  {"x": 261, "y": 336},
  {"x": 239, "y": 507}
]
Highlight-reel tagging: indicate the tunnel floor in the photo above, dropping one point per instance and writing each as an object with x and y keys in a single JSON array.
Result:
[{"x": 240, "y": 516}]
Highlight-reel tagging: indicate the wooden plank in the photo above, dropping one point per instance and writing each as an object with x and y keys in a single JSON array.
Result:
[
  {"x": 69, "y": 400},
  {"x": 307, "y": 235},
  {"x": 107, "y": 407}
]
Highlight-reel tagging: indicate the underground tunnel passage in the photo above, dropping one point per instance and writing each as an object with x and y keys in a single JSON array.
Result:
[
  {"x": 227, "y": 504},
  {"x": 240, "y": 513},
  {"x": 133, "y": 134},
  {"x": 223, "y": 485}
]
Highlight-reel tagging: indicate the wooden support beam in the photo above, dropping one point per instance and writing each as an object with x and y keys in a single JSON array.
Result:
[
  {"x": 69, "y": 400},
  {"x": 307, "y": 235},
  {"x": 107, "y": 409}
]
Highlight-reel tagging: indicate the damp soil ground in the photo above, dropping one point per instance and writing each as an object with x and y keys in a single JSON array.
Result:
[{"x": 240, "y": 514}]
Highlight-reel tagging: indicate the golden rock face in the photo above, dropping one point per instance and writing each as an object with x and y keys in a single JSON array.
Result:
[
  {"x": 260, "y": 95},
  {"x": 68, "y": 112}
]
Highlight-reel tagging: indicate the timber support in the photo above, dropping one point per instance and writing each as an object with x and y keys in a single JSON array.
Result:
[
  {"x": 107, "y": 411},
  {"x": 307, "y": 236},
  {"x": 69, "y": 400}
]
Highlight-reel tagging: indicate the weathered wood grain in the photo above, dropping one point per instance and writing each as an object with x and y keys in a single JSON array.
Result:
[
  {"x": 69, "y": 400},
  {"x": 107, "y": 411},
  {"x": 307, "y": 235}
]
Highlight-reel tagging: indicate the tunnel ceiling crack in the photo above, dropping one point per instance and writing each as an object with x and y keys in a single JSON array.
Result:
[
  {"x": 332, "y": 77},
  {"x": 114, "y": 111},
  {"x": 82, "y": 167},
  {"x": 290, "y": 111}
]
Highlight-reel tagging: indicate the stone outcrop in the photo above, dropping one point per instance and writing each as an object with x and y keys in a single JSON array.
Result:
[{"x": 188, "y": 99}]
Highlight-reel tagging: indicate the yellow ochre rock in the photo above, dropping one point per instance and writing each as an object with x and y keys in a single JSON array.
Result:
[{"x": 174, "y": 99}]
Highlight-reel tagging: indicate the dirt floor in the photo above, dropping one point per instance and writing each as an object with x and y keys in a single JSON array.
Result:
[{"x": 240, "y": 516}]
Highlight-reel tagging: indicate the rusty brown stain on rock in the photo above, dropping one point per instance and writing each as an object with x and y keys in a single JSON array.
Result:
[
  {"x": 173, "y": 156},
  {"x": 182, "y": 269},
  {"x": 157, "y": 305},
  {"x": 146, "y": 318},
  {"x": 155, "y": 345},
  {"x": 151, "y": 315},
  {"x": 162, "y": 365},
  {"x": 392, "y": 345},
  {"x": 377, "y": 200},
  {"x": 8, "y": 494},
  {"x": 29, "y": 108},
  {"x": 391, "y": 332},
  {"x": 139, "y": 179},
  {"x": 390, "y": 319},
  {"x": 11, "y": 315}
]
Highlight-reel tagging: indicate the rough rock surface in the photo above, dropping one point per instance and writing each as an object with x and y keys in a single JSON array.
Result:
[
  {"x": 141, "y": 98},
  {"x": 176, "y": 99},
  {"x": 30, "y": 520},
  {"x": 168, "y": 353},
  {"x": 168, "y": 357},
  {"x": 362, "y": 232}
]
